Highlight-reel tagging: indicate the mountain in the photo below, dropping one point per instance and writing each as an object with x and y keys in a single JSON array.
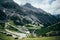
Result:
[
  {"x": 55, "y": 27},
  {"x": 2, "y": 15},
  {"x": 26, "y": 14},
  {"x": 58, "y": 17},
  {"x": 28, "y": 6}
]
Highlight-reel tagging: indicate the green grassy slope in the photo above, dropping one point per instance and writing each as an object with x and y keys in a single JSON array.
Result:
[
  {"x": 43, "y": 38},
  {"x": 55, "y": 27},
  {"x": 5, "y": 37}
]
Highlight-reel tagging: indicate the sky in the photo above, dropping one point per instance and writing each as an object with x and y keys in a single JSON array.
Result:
[{"x": 51, "y": 6}]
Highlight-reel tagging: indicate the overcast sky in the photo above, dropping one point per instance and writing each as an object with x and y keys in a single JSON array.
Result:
[{"x": 51, "y": 6}]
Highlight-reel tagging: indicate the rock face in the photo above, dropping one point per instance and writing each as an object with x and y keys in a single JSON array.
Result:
[
  {"x": 2, "y": 15},
  {"x": 25, "y": 14}
]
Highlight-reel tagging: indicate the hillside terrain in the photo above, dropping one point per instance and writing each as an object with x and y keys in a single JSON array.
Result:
[{"x": 27, "y": 20}]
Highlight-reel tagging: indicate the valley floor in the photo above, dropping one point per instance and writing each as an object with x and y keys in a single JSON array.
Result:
[
  {"x": 43, "y": 38},
  {"x": 5, "y": 37}
]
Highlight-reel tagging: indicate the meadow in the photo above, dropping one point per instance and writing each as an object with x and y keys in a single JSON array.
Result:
[{"x": 5, "y": 37}]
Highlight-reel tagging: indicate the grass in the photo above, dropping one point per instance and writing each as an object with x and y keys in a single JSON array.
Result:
[
  {"x": 5, "y": 37},
  {"x": 54, "y": 27},
  {"x": 43, "y": 38},
  {"x": 12, "y": 23},
  {"x": 1, "y": 28}
]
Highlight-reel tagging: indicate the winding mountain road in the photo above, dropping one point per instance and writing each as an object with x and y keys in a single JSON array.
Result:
[{"x": 20, "y": 35}]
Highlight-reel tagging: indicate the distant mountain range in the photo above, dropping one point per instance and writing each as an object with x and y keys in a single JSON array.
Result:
[{"x": 26, "y": 14}]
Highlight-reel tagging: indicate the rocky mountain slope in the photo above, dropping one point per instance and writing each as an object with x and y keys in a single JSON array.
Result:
[
  {"x": 26, "y": 14},
  {"x": 58, "y": 17}
]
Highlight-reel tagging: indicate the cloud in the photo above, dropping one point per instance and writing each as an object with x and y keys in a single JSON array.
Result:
[
  {"x": 55, "y": 6},
  {"x": 51, "y": 6},
  {"x": 51, "y": 1}
]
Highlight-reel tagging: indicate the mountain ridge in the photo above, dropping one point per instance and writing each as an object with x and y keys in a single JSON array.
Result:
[{"x": 22, "y": 16}]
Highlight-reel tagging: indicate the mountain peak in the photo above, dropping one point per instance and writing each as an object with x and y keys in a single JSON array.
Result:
[{"x": 28, "y": 5}]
